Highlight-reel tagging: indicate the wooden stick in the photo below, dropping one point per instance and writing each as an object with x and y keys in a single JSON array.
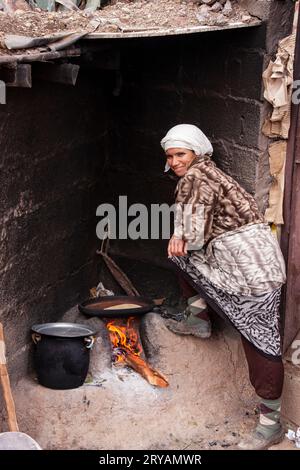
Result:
[
  {"x": 119, "y": 275},
  {"x": 40, "y": 56},
  {"x": 8, "y": 398},
  {"x": 140, "y": 366}
]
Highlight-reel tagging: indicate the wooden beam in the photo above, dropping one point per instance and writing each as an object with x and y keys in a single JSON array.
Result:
[
  {"x": 58, "y": 73},
  {"x": 17, "y": 75},
  {"x": 40, "y": 56}
]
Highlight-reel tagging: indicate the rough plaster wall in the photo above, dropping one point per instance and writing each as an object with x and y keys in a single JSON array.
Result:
[{"x": 53, "y": 144}]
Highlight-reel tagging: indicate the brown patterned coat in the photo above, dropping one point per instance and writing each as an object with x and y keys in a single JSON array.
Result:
[{"x": 227, "y": 206}]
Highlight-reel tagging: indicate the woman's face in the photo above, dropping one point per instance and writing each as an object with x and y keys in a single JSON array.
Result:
[{"x": 180, "y": 159}]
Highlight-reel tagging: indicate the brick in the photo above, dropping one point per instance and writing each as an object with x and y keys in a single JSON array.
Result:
[
  {"x": 243, "y": 76},
  {"x": 224, "y": 117},
  {"x": 240, "y": 163}
]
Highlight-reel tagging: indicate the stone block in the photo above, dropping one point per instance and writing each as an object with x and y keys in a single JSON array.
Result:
[
  {"x": 224, "y": 117},
  {"x": 257, "y": 8}
]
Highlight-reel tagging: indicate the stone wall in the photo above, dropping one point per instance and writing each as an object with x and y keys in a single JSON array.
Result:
[{"x": 212, "y": 80}]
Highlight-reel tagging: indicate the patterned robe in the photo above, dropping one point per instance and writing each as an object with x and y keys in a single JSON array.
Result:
[{"x": 240, "y": 265}]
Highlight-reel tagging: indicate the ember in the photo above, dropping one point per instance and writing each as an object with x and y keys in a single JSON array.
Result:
[{"x": 127, "y": 350}]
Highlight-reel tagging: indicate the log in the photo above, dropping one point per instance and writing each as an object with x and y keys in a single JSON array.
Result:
[
  {"x": 118, "y": 274},
  {"x": 58, "y": 73},
  {"x": 66, "y": 41},
  {"x": 139, "y": 365},
  {"x": 40, "y": 56},
  {"x": 17, "y": 41},
  {"x": 119, "y": 337}
]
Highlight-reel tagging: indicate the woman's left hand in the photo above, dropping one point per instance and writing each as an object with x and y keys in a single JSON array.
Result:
[{"x": 177, "y": 247}]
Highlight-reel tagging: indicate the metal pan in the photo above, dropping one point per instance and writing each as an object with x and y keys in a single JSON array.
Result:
[{"x": 97, "y": 307}]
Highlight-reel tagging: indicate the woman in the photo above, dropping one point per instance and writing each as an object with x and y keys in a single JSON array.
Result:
[{"x": 234, "y": 263}]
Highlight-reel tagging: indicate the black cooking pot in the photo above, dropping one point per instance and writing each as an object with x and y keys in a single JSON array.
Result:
[{"x": 62, "y": 354}]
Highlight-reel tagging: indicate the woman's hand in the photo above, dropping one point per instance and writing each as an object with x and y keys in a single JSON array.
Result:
[{"x": 177, "y": 247}]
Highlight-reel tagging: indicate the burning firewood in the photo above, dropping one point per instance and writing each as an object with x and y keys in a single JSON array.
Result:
[
  {"x": 127, "y": 350},
  {"x": 139, "y": 365}
]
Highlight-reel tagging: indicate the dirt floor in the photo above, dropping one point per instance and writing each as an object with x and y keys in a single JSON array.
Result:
[
  {"x": 208, "y": 404},
  {"x": 121, "y": 16}
]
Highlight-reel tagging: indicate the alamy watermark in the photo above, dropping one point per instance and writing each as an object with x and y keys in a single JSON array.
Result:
[
  {"x": 296, "y": 354},
  {"x": 155, "y": 222},
  {"x": 2, "y": 92},
  {"x": 296, "y": 93}
]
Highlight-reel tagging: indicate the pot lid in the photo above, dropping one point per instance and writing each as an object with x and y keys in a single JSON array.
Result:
[{"x": 63, "y": 330}]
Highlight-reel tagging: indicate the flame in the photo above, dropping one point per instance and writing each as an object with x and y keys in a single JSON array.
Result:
[{"x": 124, "y": 337}]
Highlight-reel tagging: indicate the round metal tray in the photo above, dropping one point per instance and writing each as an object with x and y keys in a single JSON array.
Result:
[
  {"x": 96, "y": 307},
  {"x": 63, "y": 330}
]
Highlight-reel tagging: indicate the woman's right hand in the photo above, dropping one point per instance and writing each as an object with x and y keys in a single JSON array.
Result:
[{"x": 177, "y": 247}]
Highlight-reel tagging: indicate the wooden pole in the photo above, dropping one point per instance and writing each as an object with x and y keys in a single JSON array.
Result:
[
  {"x": 40, "y": 56},
  {"x": 8, "y": 398}
]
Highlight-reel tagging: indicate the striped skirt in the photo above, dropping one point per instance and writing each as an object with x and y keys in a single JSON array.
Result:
[{"x": 254, "y": 313}]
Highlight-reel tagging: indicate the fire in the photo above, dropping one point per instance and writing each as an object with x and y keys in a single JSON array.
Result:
[
  {"x": 127, "y": 350},
  {"x": 124, "y": 338}
]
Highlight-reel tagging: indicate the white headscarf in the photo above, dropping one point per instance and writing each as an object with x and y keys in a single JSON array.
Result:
[{"x": 189, "y": 137}]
